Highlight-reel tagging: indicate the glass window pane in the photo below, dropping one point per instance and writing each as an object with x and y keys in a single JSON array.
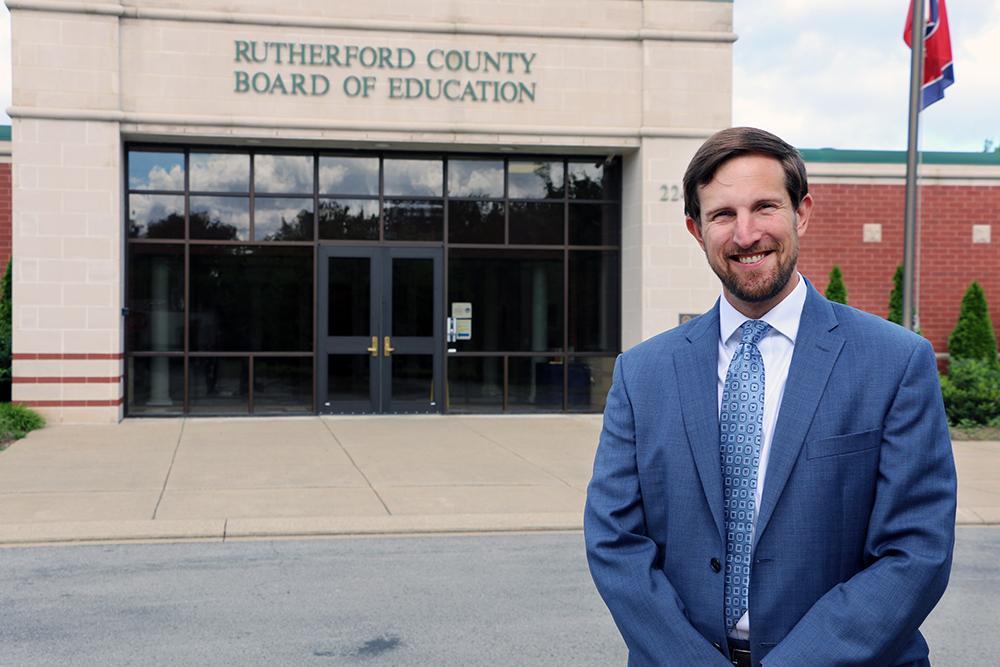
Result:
[
  {"x": 220, "y": 172},
  {"x": 349, "y": 292},
  {"x": 414, "y": 178},
  {"x": 589, "y": 382},
  {"x": 156, "y": 216},
  {"x": 594, "y": 301},
  {"x": 155, "y": 385},
  {"x": 220, "y": 218},
  {"x": 414, "y": 220},
  {"x": 282, "y": 384},
  {"x": 535, "y": 179},
  {"x": 152, "y": 170},
  {"x": 535, "y": 224},
  {"x": 475, "y": 178},
  {"x": 283, "y": 219},
  {"x": 413, "y": 383},
  {"x": 475, "y": 384},
  {"x": 278, "y": 174},
  {"x": 349, "y": 378},
  {"x": 348, "y": 219},
  {"x": 348, "y": 175},
  {"x": 219, "y": 385},
  {"x": 251, "y": 298},
  {"x": 534, "y": 384},
  {"x": 593, "y": 180},
  {"x": 412, "y": 296},
  {"x": 516, "y": 298},
  {"x": 475, "y": 222},
  {"x": 155, "y": 322},
  {"x": 594, "y": 224}
]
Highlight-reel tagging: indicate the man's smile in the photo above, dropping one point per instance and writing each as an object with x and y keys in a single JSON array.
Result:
[{"x": 748, "y": 259}]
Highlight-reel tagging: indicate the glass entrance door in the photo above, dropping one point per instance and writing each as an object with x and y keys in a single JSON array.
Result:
[{"x": 380, "y": 330}]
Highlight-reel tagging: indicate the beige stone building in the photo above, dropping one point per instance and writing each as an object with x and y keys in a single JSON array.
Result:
[{"x": 343, "y": 207}]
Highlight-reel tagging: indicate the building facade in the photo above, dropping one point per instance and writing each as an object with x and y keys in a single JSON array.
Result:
[
  {"x": 404, "y": 208},
  {"x": 341, "y": 207}
]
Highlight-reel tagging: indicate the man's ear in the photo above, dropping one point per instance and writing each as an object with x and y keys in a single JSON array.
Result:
[
  {"x": 695, "y": 231},
  {"x": 803, "y": 213}
]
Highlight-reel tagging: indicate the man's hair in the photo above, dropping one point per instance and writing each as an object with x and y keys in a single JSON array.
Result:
[{"x": 734, "y": 142}]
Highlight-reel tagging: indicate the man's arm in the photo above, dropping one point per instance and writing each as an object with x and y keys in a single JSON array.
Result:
[
  {"x": 646, "y": 608},
  {"x": 911, "y": 533}
]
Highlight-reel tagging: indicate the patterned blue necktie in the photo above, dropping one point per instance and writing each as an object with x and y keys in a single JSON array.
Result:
[{"x": 741, "y": 422}]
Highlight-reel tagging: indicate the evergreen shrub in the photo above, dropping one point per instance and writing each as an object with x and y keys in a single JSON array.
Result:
[
  {"x": 973, "y": 336},
  {"x": 835, "y": 289}
]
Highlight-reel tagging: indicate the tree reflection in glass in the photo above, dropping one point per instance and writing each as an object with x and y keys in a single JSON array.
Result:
[
  {"x": 220, "y": 218},
  {"x": 283, "y": 219},
  {"x": 156, "y": 216},
  {"x": 348, "y": 219},
  {"x": 533, "y": 179}
]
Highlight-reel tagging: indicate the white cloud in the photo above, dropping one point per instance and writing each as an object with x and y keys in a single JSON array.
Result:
[{"x": 836, "y": 73}]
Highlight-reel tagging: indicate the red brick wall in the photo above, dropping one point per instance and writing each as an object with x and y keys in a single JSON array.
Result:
[
  {"x": 5, "y": 216},
  {"x": 949, "y": 261}
]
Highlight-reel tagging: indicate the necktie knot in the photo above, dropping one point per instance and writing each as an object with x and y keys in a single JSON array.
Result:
[{"x": 753, "y": 330}]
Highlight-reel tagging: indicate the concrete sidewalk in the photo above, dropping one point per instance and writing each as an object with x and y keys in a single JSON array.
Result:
[{"x": 221, "y": 479}]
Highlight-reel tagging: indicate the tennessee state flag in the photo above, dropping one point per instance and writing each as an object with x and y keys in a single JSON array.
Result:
[{"x": 938, "y": 70}]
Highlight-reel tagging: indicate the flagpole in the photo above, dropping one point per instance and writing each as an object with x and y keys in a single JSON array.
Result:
[{"x": 910, "y": 216}]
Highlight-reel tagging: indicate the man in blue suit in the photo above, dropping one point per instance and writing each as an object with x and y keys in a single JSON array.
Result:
[{"x": 774, "y": 482}]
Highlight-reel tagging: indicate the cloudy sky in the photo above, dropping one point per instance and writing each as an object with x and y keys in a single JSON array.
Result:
[{"x": 834, "y": 73}]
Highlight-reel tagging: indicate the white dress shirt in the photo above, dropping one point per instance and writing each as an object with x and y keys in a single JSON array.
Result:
[{"x": 776, "y": 349}]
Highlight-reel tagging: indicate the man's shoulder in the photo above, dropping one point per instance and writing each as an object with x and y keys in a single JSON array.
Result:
[
  {"x": 859, "y": 322},
  {"x": 665, "y": 342},
  {"x": 880, "y": 342}
]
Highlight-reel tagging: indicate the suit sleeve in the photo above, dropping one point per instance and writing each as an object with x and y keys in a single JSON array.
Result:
[
  {"x": 646, "y": 608},
  {"x": 868, "y": 619}
]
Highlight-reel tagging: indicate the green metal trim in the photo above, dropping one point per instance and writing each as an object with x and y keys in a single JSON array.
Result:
[
  {"x": 4, "y": 132},
  {"x": 836, "y": 155}
]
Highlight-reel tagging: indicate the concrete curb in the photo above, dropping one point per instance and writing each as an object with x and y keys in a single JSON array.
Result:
[
  {"x": 220, "y": 530},
  {"x": 80, "y": 532}
]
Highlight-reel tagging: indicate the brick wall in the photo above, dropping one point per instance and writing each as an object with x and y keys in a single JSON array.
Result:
[
  {"x": 5, "y": 216},
  {"x": 949, "y": 260}
]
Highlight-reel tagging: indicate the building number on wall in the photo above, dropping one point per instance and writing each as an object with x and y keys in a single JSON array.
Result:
[{"x": 670, "y": 193}]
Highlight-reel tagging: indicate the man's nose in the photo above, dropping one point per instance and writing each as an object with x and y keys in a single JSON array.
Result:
[{"x": 746, "y": 232}]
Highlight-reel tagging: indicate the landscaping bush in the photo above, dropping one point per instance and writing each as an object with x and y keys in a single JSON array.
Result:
[
  {"x": 835, "y": 289},
  {"x": 17, "y": 420},
  {"x": 973, "y": 336},
  {"x": 5, "y": 334},
  {"x": 971, "y": 392},
  {"x": 896, "y": 297}
]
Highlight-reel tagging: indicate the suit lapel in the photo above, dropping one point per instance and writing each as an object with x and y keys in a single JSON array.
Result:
[
  {"x": 817, "y": 347},
  {"x": 697, "y": 381}
]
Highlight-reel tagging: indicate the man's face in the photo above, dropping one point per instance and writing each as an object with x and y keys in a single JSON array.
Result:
[{"x": 750, "y": 232}]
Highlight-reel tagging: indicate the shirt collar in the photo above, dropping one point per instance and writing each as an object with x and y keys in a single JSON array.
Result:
[{"x": 783, "y": 318}]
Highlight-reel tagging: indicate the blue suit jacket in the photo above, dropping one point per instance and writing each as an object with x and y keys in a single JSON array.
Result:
[{"x": 856, "y": 525}]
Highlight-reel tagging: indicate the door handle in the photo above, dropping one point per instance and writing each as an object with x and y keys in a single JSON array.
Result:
[
  {"x": 387, "y": 347},
  {"x": 373, "y": 350}
]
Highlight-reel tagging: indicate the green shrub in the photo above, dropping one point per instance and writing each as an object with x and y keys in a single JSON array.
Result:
[
  {"x": 973, "y": 336},
  {"x": 971, "y": 392},
  {"x": 896, "y": 297},
  {"x": 17, "y": 420},
  {"x": 5, "y": 333},
  {"x": 835, "y": 289}
]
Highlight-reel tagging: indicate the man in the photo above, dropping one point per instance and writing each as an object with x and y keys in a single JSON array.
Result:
[{"x": 774, "y": 482}]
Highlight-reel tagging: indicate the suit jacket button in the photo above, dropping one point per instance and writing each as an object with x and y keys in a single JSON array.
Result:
[{"x": 716, "y": 565}]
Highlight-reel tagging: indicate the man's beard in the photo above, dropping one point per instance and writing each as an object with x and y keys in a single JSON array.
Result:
[{"x": 759, "y": 288}]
